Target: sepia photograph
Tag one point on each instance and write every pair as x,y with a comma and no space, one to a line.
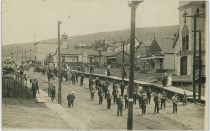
104,65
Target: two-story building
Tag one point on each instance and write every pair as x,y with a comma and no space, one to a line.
184,44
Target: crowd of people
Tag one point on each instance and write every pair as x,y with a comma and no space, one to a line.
111,91
116,96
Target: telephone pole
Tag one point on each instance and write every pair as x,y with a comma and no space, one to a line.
195,16
194,60
133,4
59,65
123,66
200,68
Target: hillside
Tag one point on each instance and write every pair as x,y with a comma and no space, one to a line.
145,33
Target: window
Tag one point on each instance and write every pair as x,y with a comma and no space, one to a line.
75,58
63,59
185,38
183,65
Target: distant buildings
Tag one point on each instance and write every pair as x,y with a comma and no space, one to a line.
158,57
170,52
42,50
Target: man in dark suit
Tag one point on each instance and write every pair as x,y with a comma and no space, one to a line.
156,104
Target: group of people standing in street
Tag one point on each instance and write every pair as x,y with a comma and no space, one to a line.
115,95
142,96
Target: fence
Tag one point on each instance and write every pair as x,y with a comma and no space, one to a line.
15,87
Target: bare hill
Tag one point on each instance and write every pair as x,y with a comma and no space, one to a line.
145,33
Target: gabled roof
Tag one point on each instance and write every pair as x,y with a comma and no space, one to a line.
92,52
72,51
161,45
154,48
165,45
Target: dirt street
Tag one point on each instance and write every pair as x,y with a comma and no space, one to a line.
23,113
96,116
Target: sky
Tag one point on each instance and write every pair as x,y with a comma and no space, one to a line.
34,20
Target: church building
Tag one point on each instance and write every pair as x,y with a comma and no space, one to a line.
191,15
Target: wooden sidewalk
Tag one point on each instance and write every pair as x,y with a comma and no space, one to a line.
171,89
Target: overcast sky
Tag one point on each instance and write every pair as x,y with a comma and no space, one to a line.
30,20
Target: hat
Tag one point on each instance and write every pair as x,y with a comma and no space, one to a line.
72,92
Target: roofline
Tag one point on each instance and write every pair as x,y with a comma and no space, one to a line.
186,6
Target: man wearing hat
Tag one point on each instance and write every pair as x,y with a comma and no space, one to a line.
184,98
92,92
163,99
33,88
53,92
119,105
68,99
49,88
149,94
72,98
100,95
126,101
156,101
140,95
114,93
90,82
175,102
109,99
144,104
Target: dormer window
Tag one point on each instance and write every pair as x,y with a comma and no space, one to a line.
185,38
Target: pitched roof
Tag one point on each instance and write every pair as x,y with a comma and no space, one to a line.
161,45
72,51
154,48
92,52
165,45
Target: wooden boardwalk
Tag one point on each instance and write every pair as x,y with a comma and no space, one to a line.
171,89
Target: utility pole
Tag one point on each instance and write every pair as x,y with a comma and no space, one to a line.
133,5
194,60
59,65
123,66
195,16
200,68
